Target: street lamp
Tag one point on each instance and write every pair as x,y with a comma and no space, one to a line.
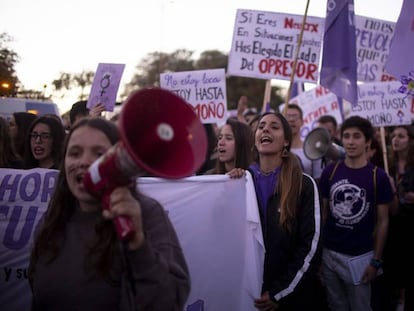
5,85
5,88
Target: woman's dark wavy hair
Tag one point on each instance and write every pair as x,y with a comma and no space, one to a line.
63,204
244,142
289,185
23,121
393,159
7,153
58,134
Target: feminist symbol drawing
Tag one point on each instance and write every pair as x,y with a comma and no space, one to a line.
105,85
105,82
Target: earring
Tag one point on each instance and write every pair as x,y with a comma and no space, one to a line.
285,152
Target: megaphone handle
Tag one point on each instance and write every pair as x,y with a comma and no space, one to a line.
123,224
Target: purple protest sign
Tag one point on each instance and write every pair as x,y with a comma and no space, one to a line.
105,85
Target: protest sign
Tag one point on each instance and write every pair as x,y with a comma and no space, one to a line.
264,46
314,104
373,40
382,104
105,85
204,90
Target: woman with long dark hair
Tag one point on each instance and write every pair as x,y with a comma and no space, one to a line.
398,270
78,262
234,147
290,214
8,157
44,143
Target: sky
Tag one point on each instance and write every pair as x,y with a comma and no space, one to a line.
54,36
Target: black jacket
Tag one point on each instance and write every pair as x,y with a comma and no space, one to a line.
292,259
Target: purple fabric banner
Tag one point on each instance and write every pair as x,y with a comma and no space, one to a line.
339,65
400,59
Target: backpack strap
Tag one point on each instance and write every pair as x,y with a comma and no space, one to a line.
374,171
334,170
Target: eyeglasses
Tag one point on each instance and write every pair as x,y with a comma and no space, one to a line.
42,136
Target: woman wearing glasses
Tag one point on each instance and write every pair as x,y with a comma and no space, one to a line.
44,143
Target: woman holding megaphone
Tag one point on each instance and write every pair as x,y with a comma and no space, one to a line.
79,263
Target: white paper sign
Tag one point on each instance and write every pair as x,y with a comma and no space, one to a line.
373,40
205,90
264,46
314,104
382,104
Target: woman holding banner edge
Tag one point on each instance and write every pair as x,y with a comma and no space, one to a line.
77,261
290,214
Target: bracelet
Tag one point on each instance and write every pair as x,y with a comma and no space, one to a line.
376,263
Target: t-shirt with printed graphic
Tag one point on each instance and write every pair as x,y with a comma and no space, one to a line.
352,195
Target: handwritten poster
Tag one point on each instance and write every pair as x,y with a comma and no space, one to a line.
205,90
105,85
314,104
382,104
264,46
373,40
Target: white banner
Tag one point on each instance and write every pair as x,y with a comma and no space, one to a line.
216,219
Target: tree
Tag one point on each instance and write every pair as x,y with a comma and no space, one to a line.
150,67
33,94
211,59
78,80
9,83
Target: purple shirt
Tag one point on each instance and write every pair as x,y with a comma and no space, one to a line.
265,185
353,195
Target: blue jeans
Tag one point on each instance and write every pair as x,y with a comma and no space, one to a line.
341,293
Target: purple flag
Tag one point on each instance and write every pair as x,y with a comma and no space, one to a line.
339,65
400,60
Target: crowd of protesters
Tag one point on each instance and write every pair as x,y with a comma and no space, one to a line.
320,218
366,210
